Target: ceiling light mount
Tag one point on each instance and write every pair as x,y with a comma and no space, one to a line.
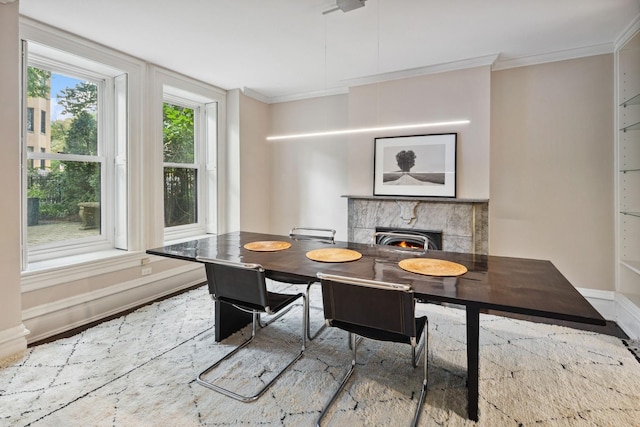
346,6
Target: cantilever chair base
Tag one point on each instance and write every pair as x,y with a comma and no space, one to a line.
200,379
399,325
244,287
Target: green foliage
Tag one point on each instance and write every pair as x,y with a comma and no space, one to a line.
82,136
178,133
35,192
406,160
179,196
82,97
59,130
38,83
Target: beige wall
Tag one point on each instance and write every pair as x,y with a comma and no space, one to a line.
11,330
309,175
454,95
552,167
255,177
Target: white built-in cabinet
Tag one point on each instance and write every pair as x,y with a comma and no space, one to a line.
628,182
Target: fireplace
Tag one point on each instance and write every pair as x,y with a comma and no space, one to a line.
403,239
463,224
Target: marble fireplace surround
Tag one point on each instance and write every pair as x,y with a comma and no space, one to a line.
464,223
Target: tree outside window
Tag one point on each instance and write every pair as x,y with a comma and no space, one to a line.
180,171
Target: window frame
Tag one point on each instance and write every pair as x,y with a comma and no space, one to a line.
105,77
43,122
30,118
207,119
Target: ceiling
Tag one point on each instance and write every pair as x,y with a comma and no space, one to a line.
287,49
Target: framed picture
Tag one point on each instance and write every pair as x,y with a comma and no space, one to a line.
419,165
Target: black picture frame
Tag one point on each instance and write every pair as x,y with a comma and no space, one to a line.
416,165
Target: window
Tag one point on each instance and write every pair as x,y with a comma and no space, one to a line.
189,123
71,203
43,122
180,167
30,119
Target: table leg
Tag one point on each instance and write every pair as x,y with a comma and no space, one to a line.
473,350
229,320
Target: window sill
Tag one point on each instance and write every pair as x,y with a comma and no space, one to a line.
53,272
186,239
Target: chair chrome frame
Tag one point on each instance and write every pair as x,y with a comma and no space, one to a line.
418,347
326,235
255,308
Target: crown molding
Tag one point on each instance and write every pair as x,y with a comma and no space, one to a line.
344,85
293,97
561,55
495,61
628,32
480,61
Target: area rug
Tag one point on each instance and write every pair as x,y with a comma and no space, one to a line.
140,369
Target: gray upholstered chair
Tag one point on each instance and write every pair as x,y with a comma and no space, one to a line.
244,286
376,310
326,235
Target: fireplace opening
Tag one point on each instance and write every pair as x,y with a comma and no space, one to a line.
434,238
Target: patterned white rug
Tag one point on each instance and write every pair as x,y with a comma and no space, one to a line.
139,370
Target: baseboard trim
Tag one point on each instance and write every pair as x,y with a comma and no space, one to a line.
13,342
628,316
48,320
603,301
616,307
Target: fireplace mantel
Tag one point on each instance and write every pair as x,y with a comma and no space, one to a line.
464,222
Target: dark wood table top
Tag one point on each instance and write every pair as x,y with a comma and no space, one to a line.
516,285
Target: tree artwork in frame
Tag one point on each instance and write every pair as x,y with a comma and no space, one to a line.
418,165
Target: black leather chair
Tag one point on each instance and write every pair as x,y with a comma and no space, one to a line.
326,235
244,286
377,310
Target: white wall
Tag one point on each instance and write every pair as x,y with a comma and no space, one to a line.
309,175
12,331
552,167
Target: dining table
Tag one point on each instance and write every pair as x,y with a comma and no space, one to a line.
500,284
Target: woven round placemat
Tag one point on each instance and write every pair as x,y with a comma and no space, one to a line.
267,246
333,255
432,267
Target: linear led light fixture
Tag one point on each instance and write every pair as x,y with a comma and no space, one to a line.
364,130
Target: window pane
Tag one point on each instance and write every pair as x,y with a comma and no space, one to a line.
180,196
63,195
76,101
63,202
30,119
178,133
43,122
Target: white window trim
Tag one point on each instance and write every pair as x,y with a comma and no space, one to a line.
133,236
164,82
46,58
199,141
